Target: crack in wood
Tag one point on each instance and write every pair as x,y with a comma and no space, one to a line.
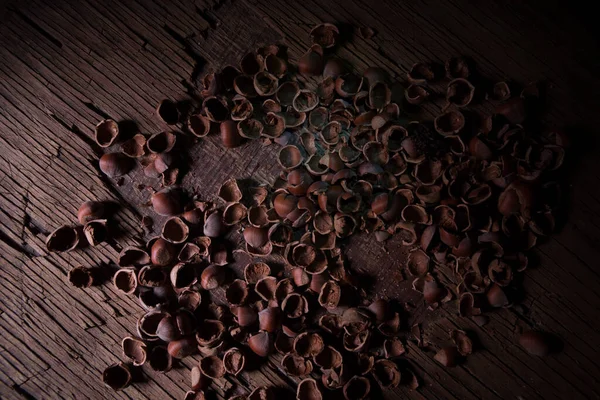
209,17
38,28
74,129
145,40
22,392
97,109
22,248
200,62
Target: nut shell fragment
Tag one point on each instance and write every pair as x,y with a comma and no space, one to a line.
107,131
234,361
65,238
535,342
80,277
325,35
117,376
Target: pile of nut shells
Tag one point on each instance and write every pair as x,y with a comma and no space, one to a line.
472,194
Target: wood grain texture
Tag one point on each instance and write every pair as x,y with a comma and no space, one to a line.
64,65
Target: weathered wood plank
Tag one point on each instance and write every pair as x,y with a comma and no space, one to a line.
76,63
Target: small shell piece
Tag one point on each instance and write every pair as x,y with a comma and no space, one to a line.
80,277
106,132
134,147
168,112
325,35
460,92
65,238
199,125
308,390
117,376
234,361
535,342
135,350
125,280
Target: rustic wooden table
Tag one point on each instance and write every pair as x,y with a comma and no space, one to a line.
64,65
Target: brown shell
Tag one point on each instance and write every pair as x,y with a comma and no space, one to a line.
265,287
273,125
280,234
168,111
195,395
152,276
536,343
305,101
175,230
386,373
106,132
416,94
251,63
416,214
216,108
417,263
334,67
393,348
286,93
250,128
284,344
65,238
348,85
114,165
213,367
234,361
296,366
210,333
429,171
294,305
246,315
311,63
380,95
199,125
255,272
80,277
183,275
357,388
234,213
450,123
500,91
117,376
269,319
318,118
421,72
167,202
265,83
308,344
275,65
134,349
457,67
460,92
189,299
261,344
330,295
462,341
325,35
237,292
161,142
356,342
308,390
125,280
134,147
447,356
290,157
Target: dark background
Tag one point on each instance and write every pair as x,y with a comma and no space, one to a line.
65,65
